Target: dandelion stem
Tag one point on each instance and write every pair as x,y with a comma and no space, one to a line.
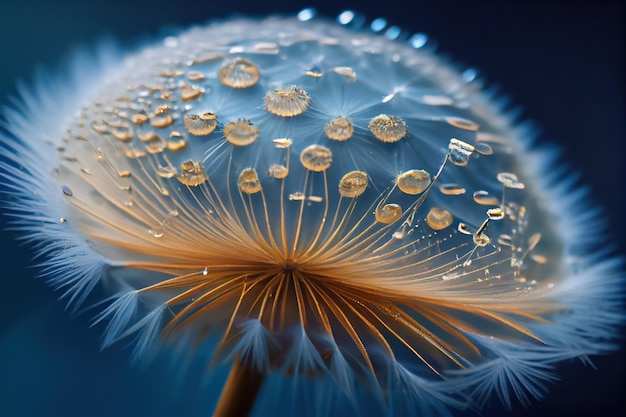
240,391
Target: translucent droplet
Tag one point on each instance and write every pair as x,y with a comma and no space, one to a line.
99,126
278,171
154,143
347,72
297,196
189,93
495,213
346,17
485,199
388,213
192,173
287,102
438,219
465,229
157,231
241,133
314,72
418,40
505,240
316,158
282,143
378,24
483,148
66,190
249,182
353,184
239,73
306,14
123,133
481,239
509,180
388,128
161,118
134,153
139,118
340,129
451,189
200,125
413,182
462,123
176,142
459,152
195,76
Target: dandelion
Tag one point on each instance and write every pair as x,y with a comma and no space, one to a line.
333,213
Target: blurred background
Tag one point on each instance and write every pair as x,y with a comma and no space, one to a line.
561,61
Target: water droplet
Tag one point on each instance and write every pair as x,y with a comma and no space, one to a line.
462,123
438,219
278,171
388,128
200,125
316,158
239,73
157,232
505,240
139,118
533,241
459,152
282,143
123,133
481,239
346,17
241,133
485,199
413,182
451,189
314,72
495,213
483,148
188,92
353,184
249,182
99,126
347,72
134,153
63,220
306,14
195,76
192,173
154,143
418,40
378,24
388,213
161,118
465,229
339,129
176,142
509,180
287,102
297,196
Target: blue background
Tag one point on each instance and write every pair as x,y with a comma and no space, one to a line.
561,60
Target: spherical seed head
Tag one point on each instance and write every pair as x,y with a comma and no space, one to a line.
345,261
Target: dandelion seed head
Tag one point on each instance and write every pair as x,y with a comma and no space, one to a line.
324,202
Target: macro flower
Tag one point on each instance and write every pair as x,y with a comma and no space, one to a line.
334,213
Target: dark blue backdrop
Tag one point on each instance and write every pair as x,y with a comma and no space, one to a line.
561,60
